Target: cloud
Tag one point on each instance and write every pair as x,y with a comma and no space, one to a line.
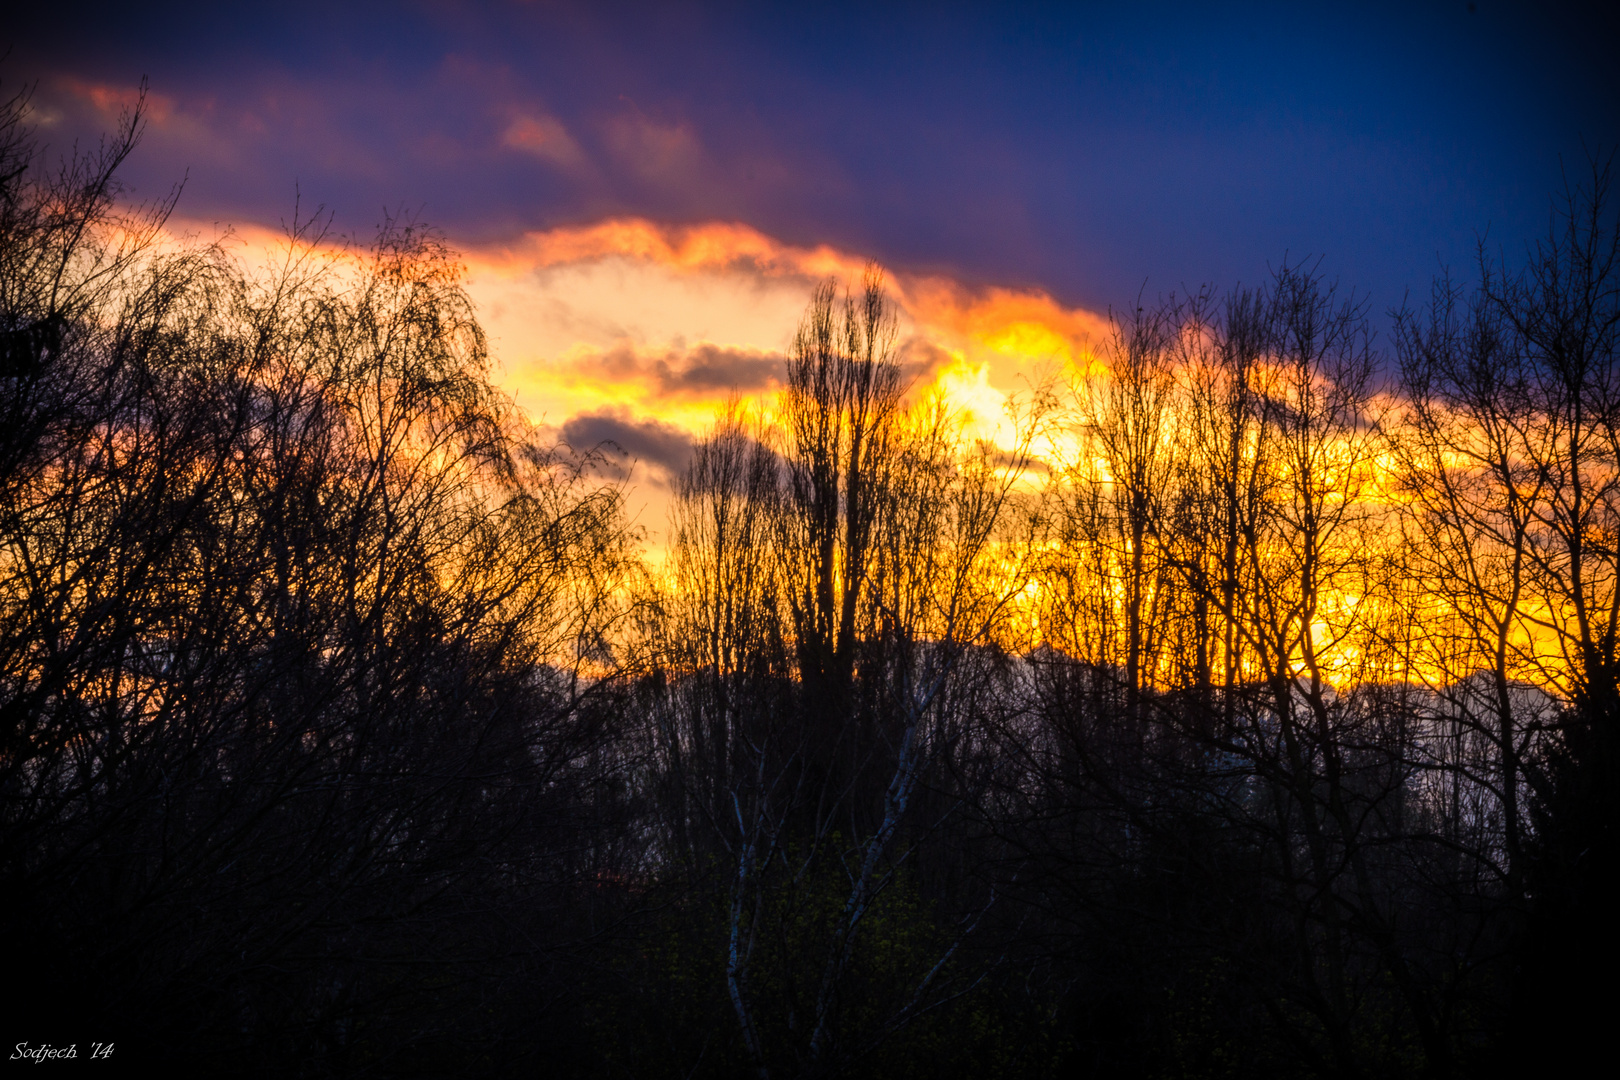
543,137
662,155
110,101
651,442
634,333
995,323
713,245
671,320
708,368
704,370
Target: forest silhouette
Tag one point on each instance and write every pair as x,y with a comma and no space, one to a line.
1251,712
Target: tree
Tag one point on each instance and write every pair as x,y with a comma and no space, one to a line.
308,650
829,599
1516,462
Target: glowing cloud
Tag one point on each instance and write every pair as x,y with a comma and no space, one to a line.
667,321
633,334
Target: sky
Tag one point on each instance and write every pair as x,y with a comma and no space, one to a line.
645,194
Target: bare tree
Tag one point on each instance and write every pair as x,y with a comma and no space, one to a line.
885,562
307,649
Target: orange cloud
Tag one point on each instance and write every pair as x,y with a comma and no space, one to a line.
671,320
633,314
635,333
710,246
1019,326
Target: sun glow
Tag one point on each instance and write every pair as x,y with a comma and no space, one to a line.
604,306
639,334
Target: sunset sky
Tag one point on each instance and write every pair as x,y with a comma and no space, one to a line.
645,194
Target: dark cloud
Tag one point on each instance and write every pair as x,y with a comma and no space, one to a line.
708,368
662,448
704,370
1053,146
1004,460
919,358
